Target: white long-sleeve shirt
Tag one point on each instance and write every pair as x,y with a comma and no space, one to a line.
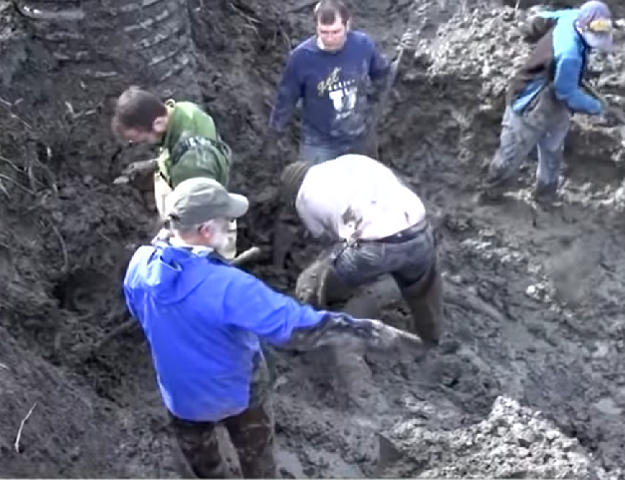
356,194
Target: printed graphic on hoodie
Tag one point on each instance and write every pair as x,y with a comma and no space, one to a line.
342,93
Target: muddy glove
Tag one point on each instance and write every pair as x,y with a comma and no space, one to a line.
351,334
310,285
136,169
389,338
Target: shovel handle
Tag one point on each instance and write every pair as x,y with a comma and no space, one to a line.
246,256
410,337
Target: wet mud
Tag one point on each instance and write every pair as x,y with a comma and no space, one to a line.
530,379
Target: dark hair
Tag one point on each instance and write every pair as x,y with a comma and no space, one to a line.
327,11
137,108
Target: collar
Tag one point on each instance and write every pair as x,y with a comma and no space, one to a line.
166,139
199,250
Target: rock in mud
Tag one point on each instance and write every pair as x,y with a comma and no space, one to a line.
512,442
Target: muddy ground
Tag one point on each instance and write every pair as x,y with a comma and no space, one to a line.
537,386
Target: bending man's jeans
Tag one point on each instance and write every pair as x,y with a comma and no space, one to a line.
410,258
544,125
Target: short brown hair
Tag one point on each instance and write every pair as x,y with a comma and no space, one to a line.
327,11
137,108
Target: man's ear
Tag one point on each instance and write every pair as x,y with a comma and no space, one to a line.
159,125
348,25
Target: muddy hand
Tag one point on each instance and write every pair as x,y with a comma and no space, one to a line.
391,338
310,282
135,169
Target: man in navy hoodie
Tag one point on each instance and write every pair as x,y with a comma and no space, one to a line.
336,74
203,318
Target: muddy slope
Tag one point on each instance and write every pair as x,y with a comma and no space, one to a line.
537,386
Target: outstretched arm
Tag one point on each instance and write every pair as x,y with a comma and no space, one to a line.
287,324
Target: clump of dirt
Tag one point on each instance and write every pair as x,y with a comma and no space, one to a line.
530,379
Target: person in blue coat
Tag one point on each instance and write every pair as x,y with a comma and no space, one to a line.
545,92
337,74
203,319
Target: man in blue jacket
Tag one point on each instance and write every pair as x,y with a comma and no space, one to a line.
335,73
545,92
203,319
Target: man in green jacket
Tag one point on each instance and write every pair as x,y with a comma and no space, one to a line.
187,141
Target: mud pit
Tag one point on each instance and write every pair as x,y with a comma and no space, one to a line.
531,379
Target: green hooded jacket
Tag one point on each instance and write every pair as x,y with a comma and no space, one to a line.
191,147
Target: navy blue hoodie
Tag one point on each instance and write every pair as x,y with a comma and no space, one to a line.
333,87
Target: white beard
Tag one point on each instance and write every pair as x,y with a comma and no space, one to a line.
219,239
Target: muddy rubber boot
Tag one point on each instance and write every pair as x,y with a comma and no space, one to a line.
545,194
332,288
491,192
495,185
425,300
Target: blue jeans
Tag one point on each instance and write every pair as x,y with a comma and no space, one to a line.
319,153
543,126
413,266
406,262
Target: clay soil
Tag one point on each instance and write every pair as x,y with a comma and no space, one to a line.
530,381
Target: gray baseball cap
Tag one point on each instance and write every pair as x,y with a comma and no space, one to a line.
199,200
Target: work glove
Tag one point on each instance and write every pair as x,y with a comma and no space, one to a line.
388,338
377,336
310,285
136,169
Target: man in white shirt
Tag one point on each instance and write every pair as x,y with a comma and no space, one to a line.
378,226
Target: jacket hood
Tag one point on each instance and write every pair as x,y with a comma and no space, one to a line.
168,273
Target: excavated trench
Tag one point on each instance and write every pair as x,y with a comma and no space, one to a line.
530,381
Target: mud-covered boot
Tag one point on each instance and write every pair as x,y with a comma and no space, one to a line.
545,194
492,192
425,300
496,183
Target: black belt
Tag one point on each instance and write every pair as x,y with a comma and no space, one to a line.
405,235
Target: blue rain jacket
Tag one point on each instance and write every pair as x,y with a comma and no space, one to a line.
569,54
202,318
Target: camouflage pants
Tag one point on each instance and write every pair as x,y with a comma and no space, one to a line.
543,125
251,433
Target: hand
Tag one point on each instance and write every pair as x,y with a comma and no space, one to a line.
310,282
386,337
144,167
276,139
